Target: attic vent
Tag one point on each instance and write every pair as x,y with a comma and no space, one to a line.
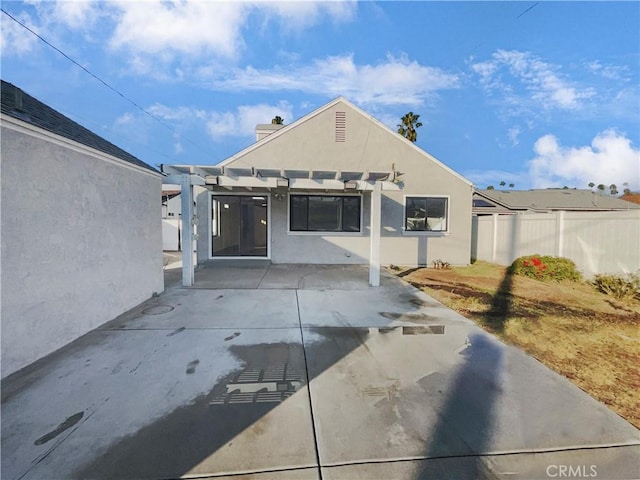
341,126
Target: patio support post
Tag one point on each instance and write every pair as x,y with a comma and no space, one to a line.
186,192
374,255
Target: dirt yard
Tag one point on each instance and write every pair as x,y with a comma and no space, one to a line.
590,338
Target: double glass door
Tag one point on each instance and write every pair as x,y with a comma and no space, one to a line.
239,225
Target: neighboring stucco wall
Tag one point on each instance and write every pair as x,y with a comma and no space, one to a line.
173,208
368,147
81,242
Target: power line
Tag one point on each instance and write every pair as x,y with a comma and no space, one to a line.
113,89
530,8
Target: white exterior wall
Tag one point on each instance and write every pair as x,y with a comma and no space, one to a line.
173,208
81,241
306,247
171,234
369,146
598,242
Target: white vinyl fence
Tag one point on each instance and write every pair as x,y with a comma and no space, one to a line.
598,242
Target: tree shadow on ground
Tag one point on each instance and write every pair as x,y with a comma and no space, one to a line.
466,417
501,304
504,304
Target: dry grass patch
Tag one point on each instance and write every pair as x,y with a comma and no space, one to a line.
589,337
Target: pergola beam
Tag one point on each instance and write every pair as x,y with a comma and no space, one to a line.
374,182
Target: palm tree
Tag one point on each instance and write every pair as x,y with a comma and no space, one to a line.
613,189
277,120
601,187
408,126
591,184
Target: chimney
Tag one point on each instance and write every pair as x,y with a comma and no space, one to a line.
265,129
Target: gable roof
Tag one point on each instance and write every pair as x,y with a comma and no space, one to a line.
545,200
320,110
19,105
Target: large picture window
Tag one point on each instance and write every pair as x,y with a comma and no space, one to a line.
426,214
324,213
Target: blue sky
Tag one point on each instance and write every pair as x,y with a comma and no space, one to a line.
539,94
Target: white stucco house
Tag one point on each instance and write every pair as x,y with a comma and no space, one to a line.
81,237
334,187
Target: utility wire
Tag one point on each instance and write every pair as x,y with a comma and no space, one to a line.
113,89
530,8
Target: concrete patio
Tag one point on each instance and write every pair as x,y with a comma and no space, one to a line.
301,372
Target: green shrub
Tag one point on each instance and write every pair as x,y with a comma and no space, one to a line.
623,287
545,268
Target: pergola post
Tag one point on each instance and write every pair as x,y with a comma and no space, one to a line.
376,216
186,193
248,178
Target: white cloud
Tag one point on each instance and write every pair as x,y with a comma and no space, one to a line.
239,123
180,27
177,113
514,134
185,27
124,119
391,120
396,81
611,158
543,85
221,125
243,121
76,14
14,39
611,72
297,15
177,144
163,31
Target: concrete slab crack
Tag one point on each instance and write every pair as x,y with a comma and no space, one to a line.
306,371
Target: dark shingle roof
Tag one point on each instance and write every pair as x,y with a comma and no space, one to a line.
551,199
22,106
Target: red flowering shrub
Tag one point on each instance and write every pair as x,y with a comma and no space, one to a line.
545,268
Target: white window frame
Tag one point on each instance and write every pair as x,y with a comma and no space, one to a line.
328,233
428,233
210,255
